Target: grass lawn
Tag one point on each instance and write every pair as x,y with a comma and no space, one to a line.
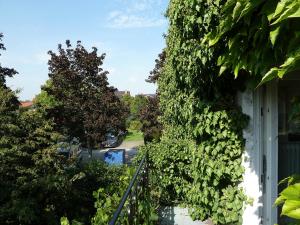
134,135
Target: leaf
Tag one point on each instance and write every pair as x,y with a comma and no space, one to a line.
280,200
292,192
280,7
237,9
292,11
291,208
249,7
274,34
64,221
292,63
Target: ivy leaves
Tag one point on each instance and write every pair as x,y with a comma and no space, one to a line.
198,161
262,38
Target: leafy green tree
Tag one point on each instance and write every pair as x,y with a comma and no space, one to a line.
149,114
38,186
89,107
8,105
139,101
158,68
135,105
29,166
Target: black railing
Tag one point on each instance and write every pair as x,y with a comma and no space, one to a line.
128,211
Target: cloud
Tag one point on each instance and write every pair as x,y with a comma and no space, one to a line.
136,14
122,20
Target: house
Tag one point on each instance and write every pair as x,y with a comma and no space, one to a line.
272,145
122,93
148,95
26,104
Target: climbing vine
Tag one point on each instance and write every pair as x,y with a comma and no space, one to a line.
262,37
198,162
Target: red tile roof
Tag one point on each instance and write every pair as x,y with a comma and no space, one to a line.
26,104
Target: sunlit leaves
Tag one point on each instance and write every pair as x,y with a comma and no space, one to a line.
263,51
290,199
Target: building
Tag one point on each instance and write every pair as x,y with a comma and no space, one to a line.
122,93
272,145
26,104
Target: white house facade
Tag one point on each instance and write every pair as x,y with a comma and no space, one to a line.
272,150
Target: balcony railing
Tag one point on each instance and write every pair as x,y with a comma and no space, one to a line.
128,211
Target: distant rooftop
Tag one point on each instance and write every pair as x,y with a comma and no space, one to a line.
25,104
122,93
148,95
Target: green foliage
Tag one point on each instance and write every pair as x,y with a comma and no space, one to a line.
108,198
38,186
289,198
135,125
134,135
260,37
84,105
206,39
149,116
135,105
198,161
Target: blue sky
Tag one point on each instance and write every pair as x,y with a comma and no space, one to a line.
128,31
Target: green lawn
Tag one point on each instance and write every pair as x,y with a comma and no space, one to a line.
134,135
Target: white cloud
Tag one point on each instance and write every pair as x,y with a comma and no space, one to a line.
123,20
137,14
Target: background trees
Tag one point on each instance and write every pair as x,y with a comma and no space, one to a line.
149,114
134,105
38,186
89,107
28,162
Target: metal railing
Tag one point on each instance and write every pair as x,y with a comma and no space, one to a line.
137,191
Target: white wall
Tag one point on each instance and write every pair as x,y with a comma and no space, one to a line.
250,103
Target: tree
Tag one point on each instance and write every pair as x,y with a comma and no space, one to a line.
158,68
138,102
38,186
25,158
8,105
150,113
89,107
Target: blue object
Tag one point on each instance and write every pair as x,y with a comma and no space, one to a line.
115,157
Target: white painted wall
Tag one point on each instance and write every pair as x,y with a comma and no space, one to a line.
250,102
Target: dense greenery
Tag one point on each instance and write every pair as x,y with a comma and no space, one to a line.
89,107
134,104
199,158
150,113
39,186
150,125
260,37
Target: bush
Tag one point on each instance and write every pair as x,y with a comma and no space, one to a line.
135,125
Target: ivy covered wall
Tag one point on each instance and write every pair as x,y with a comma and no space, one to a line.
198,162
